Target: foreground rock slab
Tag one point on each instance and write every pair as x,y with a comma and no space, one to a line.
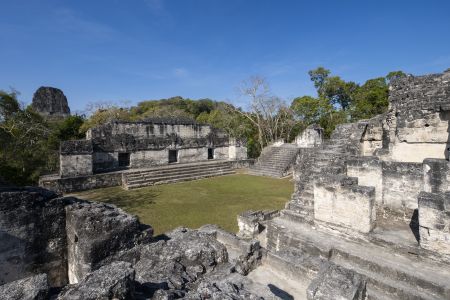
30,288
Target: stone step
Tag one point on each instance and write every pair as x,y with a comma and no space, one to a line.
176,172
179,167
186,178
155,178
265,173
403,275
296,217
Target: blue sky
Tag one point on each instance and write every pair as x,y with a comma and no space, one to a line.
129,51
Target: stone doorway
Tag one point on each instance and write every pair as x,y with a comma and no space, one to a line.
210,153
173,156
124,159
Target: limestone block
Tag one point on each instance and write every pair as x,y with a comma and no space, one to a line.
369,173
436,175
417,152
32,235
340,203
30,288
113,281
402,183
335,282
94,232
434,222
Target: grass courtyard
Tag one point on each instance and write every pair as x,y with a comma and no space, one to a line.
192,204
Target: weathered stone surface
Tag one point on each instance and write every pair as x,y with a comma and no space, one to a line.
221,290
96,231
418,119
312,136
32,235
335,282
50,101
113,281
436,175
340,202
434,222
251,223
30,288
80,183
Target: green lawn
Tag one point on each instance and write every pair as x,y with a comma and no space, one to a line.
192,204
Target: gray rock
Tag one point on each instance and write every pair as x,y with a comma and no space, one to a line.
30,288
96,231
336,282
49,101
113,281
32,235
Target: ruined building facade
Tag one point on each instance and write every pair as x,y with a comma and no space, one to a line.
143,144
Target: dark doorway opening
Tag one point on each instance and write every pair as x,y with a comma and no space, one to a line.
210,153
124,159
173,156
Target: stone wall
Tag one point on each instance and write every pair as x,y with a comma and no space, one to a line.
368,170
192,155
397,184
402,183
104,161
342,204
80,183
418,119
145,159
149,129
75,158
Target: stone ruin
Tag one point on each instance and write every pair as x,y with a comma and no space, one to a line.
50,102
369,219
111,152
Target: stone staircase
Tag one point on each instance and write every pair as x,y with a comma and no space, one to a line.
390,274
327,160
134,179
275,161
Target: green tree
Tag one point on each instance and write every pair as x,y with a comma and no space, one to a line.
371,99
319,76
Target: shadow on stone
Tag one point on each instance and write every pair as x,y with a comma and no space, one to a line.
414,225
280,293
